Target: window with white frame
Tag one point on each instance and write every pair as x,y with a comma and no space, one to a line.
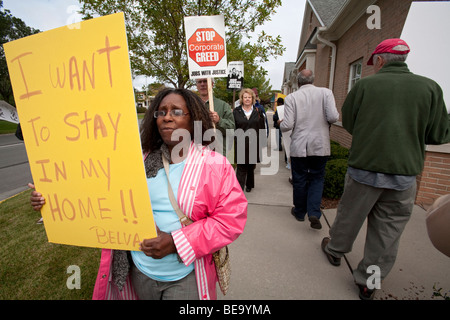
355,73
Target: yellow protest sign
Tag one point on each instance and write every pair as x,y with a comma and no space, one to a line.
75,100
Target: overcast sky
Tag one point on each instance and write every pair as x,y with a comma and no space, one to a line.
49,14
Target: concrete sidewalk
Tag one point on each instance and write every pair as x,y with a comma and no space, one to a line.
280,258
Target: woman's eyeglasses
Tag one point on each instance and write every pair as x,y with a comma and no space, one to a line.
173,113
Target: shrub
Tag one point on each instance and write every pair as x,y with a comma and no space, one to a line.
335,171
141,109
338,151
334,178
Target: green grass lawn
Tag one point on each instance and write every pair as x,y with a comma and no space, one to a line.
31,268
7,127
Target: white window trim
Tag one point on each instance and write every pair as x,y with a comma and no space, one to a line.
352,73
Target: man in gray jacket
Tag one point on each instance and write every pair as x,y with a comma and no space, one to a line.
308,112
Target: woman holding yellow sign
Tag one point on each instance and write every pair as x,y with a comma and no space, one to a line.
178,263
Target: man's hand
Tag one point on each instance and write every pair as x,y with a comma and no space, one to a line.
214,117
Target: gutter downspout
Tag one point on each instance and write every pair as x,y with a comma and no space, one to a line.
333,54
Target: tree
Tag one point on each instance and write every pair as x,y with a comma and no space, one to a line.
11,28
153,88
156,35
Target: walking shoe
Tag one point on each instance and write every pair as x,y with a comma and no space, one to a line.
333,260
315,223
293,213
365,293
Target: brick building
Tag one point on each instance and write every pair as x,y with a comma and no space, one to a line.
336,40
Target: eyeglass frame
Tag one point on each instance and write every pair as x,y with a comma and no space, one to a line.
163,113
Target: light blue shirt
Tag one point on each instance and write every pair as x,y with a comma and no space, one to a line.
167,268
382,180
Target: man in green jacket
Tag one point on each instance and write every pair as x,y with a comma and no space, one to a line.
222,116
391,116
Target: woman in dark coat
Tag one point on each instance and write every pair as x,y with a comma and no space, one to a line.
250,136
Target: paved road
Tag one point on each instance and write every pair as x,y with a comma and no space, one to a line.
14,167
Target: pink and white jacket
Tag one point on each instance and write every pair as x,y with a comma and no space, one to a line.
210,195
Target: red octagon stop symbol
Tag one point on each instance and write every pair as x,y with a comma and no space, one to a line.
206,47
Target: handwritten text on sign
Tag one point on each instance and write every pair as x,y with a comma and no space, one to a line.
75,101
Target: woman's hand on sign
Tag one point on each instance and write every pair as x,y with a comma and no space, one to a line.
37,200
158,247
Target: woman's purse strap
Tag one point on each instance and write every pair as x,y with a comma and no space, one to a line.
183,218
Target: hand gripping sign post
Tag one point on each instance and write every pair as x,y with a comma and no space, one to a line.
75,101
207,54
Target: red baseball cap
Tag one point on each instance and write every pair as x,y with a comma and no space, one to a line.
396,46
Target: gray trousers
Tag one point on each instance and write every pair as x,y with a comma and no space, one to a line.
387,212
148,289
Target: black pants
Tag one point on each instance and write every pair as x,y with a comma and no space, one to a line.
245,175
308,175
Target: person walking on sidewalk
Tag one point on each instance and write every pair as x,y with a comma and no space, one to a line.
261,109
391,116
248,141
308,112
276,124
286,137
222,116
